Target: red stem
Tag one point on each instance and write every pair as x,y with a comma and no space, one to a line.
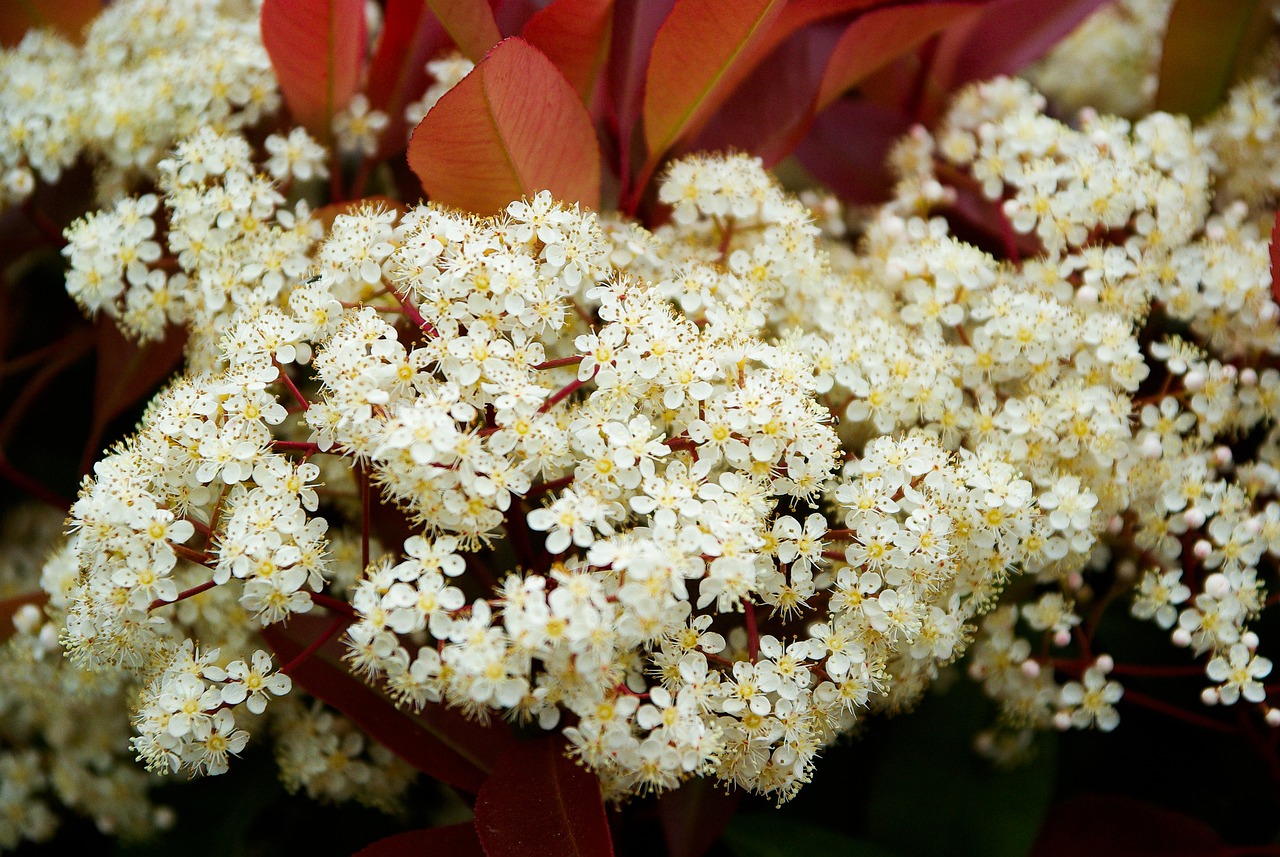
183,595
338,623
336,605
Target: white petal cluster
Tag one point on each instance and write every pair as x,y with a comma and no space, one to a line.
149,73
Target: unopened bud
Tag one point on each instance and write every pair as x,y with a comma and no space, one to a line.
1031,669
1105,663
1217,586
1209,696
1180,638
1202,549
1062,638
1194,517
1062,721
1273,717
1250,640
1194,380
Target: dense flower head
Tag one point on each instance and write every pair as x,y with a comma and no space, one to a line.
703,496
149,73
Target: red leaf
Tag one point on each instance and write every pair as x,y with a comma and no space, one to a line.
694,815
703,50
1275,259
127,373
574,35
1112,826
771,110
847,146
538,803
438,741
880,36
68,17
470,25
635,25
456,840
1205,44
801,13
511,128
1005,38
317,49
411,36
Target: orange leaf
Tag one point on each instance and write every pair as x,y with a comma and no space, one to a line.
67,17
538,803
511,128
469,23
411,36
317,49
1204,45
702,51
801,13
880,36
438,741
574,34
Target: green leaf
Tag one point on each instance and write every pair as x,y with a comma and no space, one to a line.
934,797
777,835
1206,46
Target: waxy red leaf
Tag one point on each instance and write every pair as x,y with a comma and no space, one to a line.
771,110
694,815
511,128
67,17
411,35
127,373
882,35
538,803
574,35
317,49
1205,45
1006,37
456,840
1114,826
701,53
1275,259
635,26
438,741
469,23
854,170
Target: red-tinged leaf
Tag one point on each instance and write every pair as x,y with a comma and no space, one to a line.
771,110
1005,38
635,26
469,23
127,373
511,128
1205,45
538,803
847,146
513,15
798,14
694,815
882,35
702,51
456,840
67,17
438,741
1113,826
317,49
1275,259
410,37
574,35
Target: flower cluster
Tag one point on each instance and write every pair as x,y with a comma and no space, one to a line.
149,73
